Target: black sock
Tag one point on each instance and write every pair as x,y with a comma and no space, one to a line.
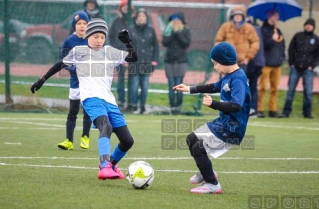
206,168
86,127
86,124
70,126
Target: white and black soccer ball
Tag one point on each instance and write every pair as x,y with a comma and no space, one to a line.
140,174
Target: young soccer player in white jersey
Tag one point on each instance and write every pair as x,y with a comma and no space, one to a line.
218,136
94,66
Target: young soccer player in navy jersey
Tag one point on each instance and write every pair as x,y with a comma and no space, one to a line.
79,23
94,65
218,136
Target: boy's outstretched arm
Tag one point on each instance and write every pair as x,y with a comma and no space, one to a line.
208,88
124,37
53,70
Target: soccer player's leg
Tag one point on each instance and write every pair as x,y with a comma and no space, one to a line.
126,142
70,125
85,140
96,109
123,134
191,140
210,185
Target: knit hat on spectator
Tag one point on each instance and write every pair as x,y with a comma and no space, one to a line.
96,25
310,21
224,53
79,16
125,2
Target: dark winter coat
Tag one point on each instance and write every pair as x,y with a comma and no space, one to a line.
118,24
177,44
259,59
145,42
304,50
274,51
95,13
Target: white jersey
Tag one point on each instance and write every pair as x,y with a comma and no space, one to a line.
95,70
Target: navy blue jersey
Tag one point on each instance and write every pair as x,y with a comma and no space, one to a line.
231,126
69,43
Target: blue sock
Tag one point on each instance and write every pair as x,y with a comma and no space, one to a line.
104,147
117,155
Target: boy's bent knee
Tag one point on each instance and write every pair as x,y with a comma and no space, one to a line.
126,144
191,139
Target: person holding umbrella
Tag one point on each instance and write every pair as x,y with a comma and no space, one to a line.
274,49
270,12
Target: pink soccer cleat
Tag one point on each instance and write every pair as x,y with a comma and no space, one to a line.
207,188
107,172
119,172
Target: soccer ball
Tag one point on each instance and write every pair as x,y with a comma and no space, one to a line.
140,174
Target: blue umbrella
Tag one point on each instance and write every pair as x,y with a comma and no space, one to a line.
287,9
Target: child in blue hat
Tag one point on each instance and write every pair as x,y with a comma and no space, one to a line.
217,137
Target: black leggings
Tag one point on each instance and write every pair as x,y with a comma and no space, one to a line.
195,146
122,133
202,161
71,120
74,110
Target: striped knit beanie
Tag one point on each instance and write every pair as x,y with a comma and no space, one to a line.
96,25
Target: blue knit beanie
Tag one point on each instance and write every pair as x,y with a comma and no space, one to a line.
79,16
224,53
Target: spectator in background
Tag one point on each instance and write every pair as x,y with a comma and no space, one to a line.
303,58
254,70
91,8
177,38
241,35
121,22
145,41
274,48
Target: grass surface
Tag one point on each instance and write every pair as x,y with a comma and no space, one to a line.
34,173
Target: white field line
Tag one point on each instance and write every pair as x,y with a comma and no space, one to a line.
283,126
167,170
55,119
44,129
159,158
31,123
12,143
256,124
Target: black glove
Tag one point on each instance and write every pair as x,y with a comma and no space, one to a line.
37,85
124,36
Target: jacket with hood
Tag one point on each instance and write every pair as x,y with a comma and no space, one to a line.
243,37
91,14
176,42
304,49
118,24
144,40
274,50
